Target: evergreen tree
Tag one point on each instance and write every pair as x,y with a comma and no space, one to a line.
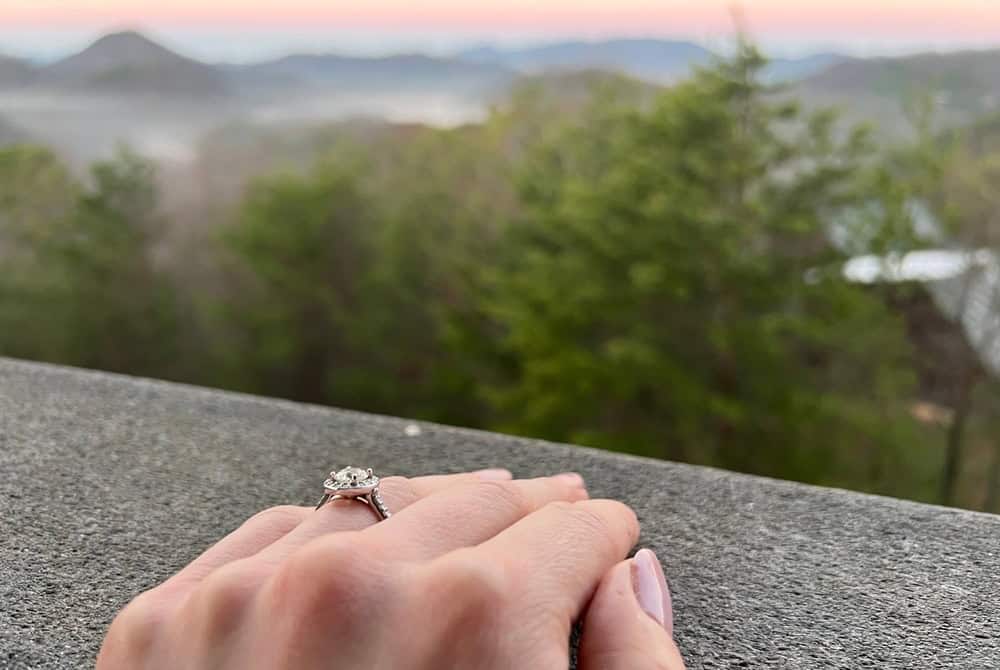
672,290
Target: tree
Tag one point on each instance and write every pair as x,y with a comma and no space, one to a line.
118,310
671,290
303,245
81,285
37,200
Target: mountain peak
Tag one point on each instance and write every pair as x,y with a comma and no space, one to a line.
130,62
128,47
130,40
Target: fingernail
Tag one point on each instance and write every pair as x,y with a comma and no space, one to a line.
494,474
651,589
571,478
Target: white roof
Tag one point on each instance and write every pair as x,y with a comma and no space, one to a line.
918,266
965,285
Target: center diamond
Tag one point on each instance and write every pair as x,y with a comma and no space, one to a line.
350,475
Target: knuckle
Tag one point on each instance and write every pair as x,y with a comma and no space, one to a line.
475,593
282,518
135,629
330,578
507,495
611,523
560,507
400,491
592,522
621,515
221,601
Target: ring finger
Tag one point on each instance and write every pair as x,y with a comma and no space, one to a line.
464,516
345,515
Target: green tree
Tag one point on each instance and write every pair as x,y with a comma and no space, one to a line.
37,200
81,286
671,290
303,246
118,309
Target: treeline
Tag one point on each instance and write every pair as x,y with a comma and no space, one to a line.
646,273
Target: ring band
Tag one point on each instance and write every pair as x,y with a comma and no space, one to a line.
353,483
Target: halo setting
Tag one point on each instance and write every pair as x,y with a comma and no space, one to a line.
350,482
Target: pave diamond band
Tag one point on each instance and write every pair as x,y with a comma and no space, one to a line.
353,483
380,505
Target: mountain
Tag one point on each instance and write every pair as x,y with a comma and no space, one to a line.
795,69
962,85
405,72
14,72
654,60
658,61
130,63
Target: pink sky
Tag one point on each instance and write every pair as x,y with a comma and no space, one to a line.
248,29
973,19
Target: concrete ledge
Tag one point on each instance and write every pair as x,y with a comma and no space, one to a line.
110,484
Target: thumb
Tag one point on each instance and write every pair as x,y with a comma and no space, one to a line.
629,624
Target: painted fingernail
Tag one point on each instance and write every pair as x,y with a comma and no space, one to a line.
494,474
651,589
571,478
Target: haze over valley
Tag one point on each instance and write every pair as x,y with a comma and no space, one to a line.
126,88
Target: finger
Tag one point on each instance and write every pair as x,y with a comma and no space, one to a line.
629,622
344,515
256,533
468,515
558,555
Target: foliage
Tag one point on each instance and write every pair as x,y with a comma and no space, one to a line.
37,199
89,292
647,270
304,243
656,299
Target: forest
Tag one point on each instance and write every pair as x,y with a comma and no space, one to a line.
651,271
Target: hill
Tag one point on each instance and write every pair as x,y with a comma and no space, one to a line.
14,72
963,85
130,63
654,60
657,61
796,69
405,72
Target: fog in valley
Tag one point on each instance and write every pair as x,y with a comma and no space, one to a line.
126,90
87,127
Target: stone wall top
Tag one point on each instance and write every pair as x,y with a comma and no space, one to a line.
109,484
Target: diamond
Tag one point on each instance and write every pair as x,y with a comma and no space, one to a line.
351,481
349,475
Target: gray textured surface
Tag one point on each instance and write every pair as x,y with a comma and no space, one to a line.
765,574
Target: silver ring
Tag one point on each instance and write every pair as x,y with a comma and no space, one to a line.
353,483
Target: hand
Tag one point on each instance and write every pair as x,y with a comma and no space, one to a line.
472,571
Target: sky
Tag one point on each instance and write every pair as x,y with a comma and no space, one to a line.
244,29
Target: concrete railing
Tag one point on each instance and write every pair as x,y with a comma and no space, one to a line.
110,484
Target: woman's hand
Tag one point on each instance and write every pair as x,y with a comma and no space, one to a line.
472,571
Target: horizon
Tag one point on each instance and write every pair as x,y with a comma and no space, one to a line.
214,45
230,30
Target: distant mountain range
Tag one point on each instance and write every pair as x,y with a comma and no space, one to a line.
131,63
404,71
964,84
966,81
655,60
658,61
